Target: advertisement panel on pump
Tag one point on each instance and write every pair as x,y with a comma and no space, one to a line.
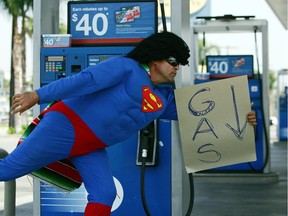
110,22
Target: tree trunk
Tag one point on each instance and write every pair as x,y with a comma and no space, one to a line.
16,72
17,64
23,39
12,84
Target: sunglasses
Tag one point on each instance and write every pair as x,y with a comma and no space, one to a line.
172,61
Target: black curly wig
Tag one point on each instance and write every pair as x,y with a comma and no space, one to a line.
161,46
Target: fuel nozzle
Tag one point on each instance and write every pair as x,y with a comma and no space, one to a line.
144,143
147,146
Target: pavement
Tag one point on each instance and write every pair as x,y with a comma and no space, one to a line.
24,185
212,197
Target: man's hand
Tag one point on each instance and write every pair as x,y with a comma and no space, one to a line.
251,118
24,101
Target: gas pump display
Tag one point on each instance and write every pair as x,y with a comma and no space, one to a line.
54,67
61,62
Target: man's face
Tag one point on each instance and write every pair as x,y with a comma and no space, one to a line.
164,72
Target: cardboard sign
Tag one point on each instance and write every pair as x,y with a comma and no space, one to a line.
212,122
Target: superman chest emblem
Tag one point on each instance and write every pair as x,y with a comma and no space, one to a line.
150,101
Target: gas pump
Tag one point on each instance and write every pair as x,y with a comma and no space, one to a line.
220,67
99,30
282,96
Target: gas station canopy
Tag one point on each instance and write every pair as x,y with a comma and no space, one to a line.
280,8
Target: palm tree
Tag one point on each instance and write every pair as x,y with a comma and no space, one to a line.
210,49
17,9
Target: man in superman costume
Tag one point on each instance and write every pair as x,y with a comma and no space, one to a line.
100,106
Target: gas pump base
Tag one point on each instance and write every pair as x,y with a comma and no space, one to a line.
249,178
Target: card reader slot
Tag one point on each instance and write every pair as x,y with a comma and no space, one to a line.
76,68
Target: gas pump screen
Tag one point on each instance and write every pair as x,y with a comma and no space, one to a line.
229,66
96,59
112,21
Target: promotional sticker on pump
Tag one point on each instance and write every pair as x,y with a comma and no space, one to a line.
223,66
127,14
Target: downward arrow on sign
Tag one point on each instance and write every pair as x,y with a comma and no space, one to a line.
239,133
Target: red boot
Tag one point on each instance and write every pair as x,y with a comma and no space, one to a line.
97,209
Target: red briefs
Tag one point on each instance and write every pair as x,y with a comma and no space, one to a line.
85,140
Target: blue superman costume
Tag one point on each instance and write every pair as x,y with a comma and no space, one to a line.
99,107
111,101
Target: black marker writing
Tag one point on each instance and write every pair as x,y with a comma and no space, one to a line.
239,133
204,126
206,130
208,150
211,104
